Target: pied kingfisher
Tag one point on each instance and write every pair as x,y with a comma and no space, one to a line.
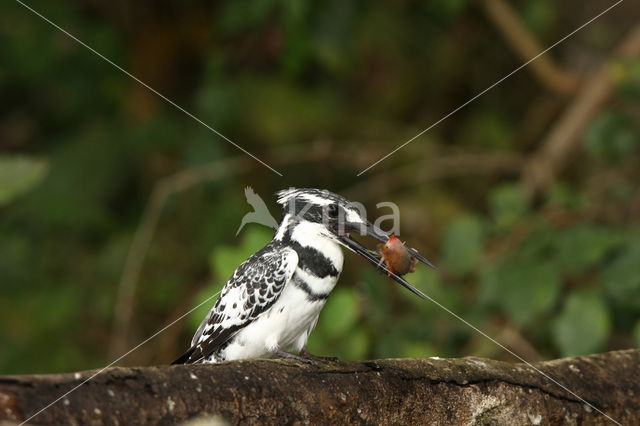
274,298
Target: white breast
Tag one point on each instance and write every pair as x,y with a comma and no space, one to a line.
286,325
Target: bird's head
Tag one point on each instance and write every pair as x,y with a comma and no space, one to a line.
327,215
322,212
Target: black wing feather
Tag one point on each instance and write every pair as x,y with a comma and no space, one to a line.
254,287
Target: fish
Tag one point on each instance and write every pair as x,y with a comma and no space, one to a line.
397,256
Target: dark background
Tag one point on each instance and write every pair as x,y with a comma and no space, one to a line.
319,91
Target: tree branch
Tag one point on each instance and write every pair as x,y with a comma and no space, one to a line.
525,44
556,149
391,391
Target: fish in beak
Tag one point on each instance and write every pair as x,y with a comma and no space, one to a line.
379,261
397,257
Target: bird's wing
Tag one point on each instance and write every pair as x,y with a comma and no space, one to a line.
254,287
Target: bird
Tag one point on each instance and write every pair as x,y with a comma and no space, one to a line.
260,214
273,300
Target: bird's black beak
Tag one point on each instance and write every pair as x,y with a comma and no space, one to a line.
372,231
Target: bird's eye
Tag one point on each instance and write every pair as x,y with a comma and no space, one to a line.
332,210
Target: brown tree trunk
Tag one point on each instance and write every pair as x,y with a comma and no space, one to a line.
389,391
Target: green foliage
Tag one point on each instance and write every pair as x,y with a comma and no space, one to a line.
524,287
585,246
340,81
225,259
621,277
90,164
338,322
462,244
612,136
445,9
627,73
268,105
340,313
563,196
508,206
540,16
488,129
18,174
583,325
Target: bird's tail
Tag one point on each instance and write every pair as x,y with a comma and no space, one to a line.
184,358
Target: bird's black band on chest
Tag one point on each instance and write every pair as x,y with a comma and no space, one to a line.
314,261
311,295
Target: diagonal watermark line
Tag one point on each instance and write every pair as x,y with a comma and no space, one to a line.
493,85
119,358
149,87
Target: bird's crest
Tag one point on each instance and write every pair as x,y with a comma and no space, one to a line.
320,197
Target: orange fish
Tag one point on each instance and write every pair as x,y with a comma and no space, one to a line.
397,257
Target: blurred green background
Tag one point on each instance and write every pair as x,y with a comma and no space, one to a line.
319,91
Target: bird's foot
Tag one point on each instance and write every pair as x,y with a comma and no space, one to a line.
306,354
283,354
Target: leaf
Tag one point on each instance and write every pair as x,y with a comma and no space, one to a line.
508,205
225,259
612,137
627,73
565,196
256,237
524,288
526,283
18,174
584,246
462,244
583,325
340,313
622,278
377,295
427,281
540,16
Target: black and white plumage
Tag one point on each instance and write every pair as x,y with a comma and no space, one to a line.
273,300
